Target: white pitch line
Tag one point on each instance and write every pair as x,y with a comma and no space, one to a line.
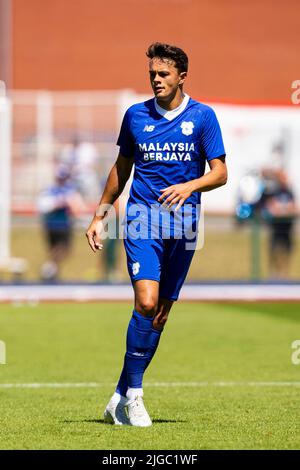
149,384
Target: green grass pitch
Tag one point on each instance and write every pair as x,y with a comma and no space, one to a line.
247,347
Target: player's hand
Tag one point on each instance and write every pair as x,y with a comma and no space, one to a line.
175,194
93,234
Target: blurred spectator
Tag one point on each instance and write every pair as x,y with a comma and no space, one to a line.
81,158
279,211
57,205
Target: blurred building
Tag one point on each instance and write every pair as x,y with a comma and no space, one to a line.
94,45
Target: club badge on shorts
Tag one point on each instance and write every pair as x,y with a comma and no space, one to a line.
135,268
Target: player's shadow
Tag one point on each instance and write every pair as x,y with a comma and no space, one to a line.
101,421
70,421
168,421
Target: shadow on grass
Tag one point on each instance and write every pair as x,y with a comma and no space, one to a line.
101,421
279,310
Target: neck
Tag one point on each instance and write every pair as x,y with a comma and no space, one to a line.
173,102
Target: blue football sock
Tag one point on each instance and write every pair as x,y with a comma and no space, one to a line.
137,348
152,341
122,384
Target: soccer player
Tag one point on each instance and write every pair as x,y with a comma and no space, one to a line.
168,138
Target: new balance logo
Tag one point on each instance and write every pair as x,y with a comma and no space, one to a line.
138,354
148,128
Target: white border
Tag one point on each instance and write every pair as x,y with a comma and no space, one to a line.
33,294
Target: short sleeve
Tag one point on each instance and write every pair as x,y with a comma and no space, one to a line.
211,136
125,139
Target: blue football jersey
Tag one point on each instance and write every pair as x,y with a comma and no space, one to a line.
169,147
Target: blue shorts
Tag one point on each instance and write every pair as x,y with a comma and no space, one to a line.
164,260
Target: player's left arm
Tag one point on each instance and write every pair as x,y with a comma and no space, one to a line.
179,193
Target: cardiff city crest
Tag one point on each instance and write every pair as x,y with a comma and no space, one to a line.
187,127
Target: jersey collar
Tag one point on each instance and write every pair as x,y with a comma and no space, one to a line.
169,115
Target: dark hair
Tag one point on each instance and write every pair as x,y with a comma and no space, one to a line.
165,51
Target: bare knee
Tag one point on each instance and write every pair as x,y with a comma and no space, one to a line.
147,306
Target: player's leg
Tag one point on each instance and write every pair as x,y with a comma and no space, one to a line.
149,340
141,342
173,275
159,321
144,261
146,302
139,346
156,310
49,269
179,255
139,334
281,250
59,243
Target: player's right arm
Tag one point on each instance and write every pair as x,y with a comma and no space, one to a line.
116,181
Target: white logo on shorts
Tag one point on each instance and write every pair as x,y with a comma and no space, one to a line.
135,268
187,127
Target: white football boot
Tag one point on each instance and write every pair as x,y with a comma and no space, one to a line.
137,413
115,411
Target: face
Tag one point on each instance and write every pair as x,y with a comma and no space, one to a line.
165,78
